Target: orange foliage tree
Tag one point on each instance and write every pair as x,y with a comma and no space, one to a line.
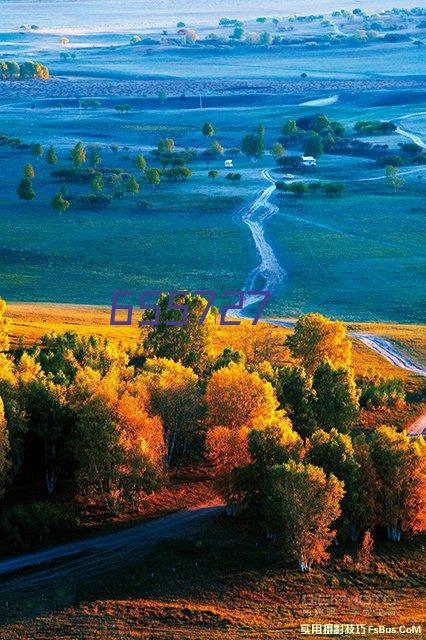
237,398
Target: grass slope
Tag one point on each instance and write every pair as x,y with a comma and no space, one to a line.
223,582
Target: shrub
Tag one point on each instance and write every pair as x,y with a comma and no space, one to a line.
93,201
72,174
26,525
333,188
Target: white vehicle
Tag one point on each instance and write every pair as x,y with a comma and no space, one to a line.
288,176
229,164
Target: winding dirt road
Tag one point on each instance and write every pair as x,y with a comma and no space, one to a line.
93,555
273,274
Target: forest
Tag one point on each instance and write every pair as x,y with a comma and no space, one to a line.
84,421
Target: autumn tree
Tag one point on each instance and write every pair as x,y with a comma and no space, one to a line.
237,398
51,156
337,403
14,410
29,171
4,449
175,396
298,398
315,338
400,464
4,327
78,154
25,190
187,339
118,444
365,552
303,504
227,449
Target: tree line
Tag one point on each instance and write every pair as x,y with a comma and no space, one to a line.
28,70
87,420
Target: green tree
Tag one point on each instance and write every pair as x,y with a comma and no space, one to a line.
277,150
289,128
266,39
132,185
188,344
140,162
334,452
337,403
297,397
97,183
153,177
25,190
238,33
298,189
51,156
162,96
37,150
207,130
216,149
60,203
233,177
29,171
333,189
313,145
315,338
302,506
78,154
166,145
213,174
253,144
95,156
392,177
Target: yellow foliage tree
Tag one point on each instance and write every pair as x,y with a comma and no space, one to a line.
316,338
4,327
4,449
237,398
176,398
400,463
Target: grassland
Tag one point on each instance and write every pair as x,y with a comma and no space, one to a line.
214,584
30,321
